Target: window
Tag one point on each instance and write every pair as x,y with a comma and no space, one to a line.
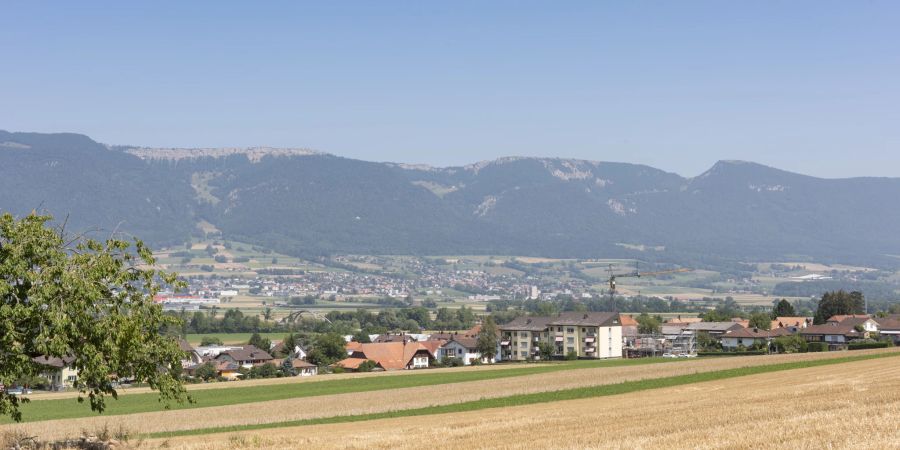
570,340
523,334
523,354
559,329
571,349
582,330
570,330
523,345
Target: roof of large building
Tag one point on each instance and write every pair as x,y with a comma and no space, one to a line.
888,324
527,324
589,319
684,320
833,328
53,361
714,326
248,353
786,321
754,333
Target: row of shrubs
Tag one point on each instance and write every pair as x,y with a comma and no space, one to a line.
869,344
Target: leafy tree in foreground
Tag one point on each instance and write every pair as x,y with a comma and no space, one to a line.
89,300
486,342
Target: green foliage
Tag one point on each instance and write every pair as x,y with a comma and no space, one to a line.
486,343
328,348
648,324
545,350
210,340
839,303
864,345
367,366
761,320
267,370
705,342
790,344
817,347
361,337
62,296
260,342
783,308
206,371
287,367
572,355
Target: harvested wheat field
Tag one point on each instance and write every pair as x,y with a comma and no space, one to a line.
405,398
840,406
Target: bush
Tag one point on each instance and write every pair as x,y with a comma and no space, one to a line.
206,341
367,366
868,345
450,362
571,356
817,347
790,344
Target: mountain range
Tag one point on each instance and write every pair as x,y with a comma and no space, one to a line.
309,203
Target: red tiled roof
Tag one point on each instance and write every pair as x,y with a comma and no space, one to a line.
393,355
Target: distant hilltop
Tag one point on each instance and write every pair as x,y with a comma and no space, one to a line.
308,203
254,154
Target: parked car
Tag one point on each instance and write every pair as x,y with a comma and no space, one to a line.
19,391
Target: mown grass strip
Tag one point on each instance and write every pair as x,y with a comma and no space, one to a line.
139,403
529,399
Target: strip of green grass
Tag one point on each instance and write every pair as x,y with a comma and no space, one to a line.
529,399
232,338
41,410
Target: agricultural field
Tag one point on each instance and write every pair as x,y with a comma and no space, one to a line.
849,405
266,407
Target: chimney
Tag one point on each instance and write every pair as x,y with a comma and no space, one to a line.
585,316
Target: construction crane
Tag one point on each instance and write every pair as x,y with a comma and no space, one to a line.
636,274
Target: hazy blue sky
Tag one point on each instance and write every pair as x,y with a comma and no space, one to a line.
809,86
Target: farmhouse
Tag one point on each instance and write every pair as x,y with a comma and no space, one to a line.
190,357
745,337
61,372
391,355
890,328
246,356
836,335
301,367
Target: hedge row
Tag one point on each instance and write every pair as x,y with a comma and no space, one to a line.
868,345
